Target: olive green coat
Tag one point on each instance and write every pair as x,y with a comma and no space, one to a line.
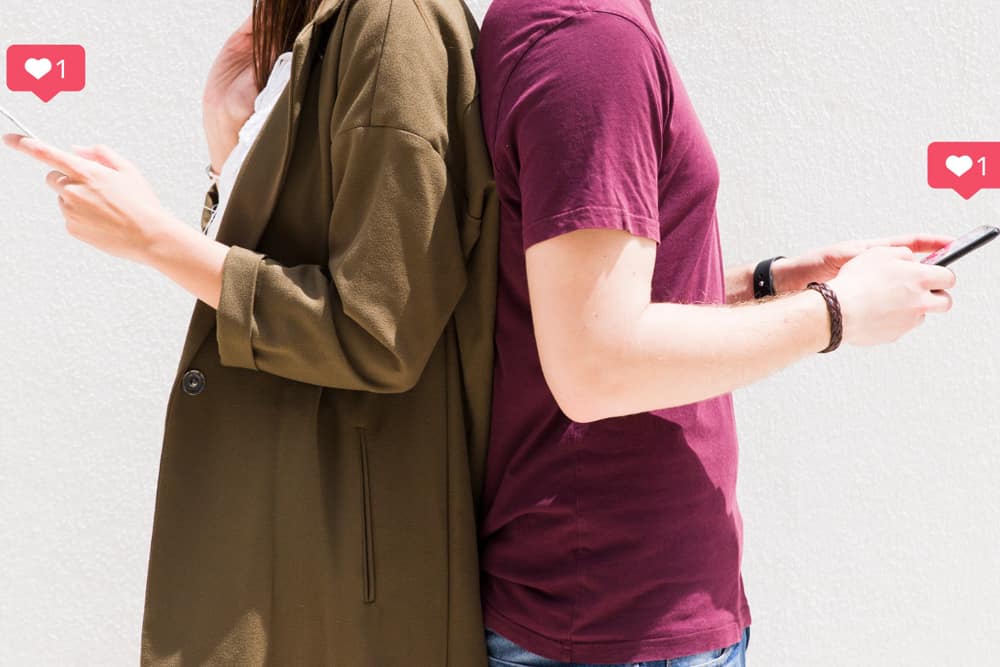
325,435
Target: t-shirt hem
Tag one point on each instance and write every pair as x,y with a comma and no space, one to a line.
641,650
590,217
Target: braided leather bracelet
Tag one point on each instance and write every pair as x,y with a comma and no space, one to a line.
836,318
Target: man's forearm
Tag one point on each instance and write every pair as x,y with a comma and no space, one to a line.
739,283
788,277
675,354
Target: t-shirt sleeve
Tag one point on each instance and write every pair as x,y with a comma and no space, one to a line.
585,122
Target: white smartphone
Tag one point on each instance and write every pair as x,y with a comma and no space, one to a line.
19,124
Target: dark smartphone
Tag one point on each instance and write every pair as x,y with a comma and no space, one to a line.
961,247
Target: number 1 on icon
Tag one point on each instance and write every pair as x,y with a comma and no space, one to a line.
983,161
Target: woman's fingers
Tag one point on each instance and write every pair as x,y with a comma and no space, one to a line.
66,162
71,193
56,180
103,155
246,27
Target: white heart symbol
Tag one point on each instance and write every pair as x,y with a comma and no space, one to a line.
958,165
38,67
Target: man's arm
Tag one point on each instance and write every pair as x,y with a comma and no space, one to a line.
607,351
585,122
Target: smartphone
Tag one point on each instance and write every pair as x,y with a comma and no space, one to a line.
961,247
19,124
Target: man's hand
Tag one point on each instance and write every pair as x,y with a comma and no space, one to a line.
884,293
824,264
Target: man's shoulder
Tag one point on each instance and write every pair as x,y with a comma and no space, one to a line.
512,27
507,15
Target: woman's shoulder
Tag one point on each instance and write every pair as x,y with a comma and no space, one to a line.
408,64
441,23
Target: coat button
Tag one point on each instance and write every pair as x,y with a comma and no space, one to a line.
193,382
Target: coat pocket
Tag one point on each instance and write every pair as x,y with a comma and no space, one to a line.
367,534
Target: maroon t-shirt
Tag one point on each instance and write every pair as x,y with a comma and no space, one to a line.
618,540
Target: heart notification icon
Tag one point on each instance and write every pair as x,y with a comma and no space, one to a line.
46,69
964,166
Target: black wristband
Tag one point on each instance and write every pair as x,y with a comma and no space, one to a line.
763,278
836,318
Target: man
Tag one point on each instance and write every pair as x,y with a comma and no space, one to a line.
610,531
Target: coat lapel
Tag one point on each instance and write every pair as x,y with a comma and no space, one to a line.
259,182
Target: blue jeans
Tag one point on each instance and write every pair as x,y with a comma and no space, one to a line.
505,653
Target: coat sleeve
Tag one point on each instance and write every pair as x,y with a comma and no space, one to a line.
369,318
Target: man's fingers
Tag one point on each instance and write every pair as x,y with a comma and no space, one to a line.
66,162
916,242
936,277
928,242
938,301
902,252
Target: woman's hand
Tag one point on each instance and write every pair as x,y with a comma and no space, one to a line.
108,204
104,199
229,95
824,264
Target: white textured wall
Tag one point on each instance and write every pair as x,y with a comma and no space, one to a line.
867,478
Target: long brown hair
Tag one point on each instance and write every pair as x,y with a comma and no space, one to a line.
276,23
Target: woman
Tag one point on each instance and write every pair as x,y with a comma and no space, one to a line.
325,436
